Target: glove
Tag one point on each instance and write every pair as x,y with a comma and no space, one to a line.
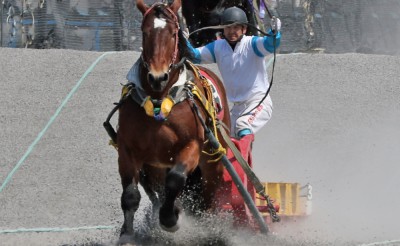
185,33
275,24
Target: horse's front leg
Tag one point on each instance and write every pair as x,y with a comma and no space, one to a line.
130,197
186,162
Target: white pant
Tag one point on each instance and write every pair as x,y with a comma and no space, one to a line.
242,117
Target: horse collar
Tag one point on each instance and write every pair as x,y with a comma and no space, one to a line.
160,108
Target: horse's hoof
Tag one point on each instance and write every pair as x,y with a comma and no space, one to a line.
125,232
168,221
170,225
170,229
126,240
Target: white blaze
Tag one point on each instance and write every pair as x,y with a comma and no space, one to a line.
159,23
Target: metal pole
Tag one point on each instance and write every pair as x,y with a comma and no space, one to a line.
238,182
235,177
245,194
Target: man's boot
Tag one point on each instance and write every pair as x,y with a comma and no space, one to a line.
241,213
245,145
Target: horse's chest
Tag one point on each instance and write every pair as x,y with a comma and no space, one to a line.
161,146
163,137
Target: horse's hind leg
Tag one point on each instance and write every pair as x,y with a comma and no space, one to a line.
174,184
153,196
130,198
144,181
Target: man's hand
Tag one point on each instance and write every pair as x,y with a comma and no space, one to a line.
275,24
185,33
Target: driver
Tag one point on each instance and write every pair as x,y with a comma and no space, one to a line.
241,62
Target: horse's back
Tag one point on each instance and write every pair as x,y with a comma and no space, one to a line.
219,85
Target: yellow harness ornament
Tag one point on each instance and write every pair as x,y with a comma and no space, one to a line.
159,111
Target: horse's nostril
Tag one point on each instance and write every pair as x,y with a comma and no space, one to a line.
165,77
150,77
159,79
158,82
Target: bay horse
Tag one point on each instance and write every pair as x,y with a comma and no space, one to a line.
161,137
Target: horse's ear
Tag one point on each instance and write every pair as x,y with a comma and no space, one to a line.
175,5
142,6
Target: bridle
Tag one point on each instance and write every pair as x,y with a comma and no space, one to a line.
176,22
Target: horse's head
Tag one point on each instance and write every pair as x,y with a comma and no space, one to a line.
160,30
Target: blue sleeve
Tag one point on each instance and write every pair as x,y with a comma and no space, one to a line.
204,54
269,41
196,53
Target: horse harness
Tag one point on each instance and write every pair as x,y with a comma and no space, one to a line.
182,90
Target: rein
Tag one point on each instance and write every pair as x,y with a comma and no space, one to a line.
270,83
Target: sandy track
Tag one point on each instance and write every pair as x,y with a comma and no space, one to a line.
335,125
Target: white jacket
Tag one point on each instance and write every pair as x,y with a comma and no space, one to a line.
243,70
